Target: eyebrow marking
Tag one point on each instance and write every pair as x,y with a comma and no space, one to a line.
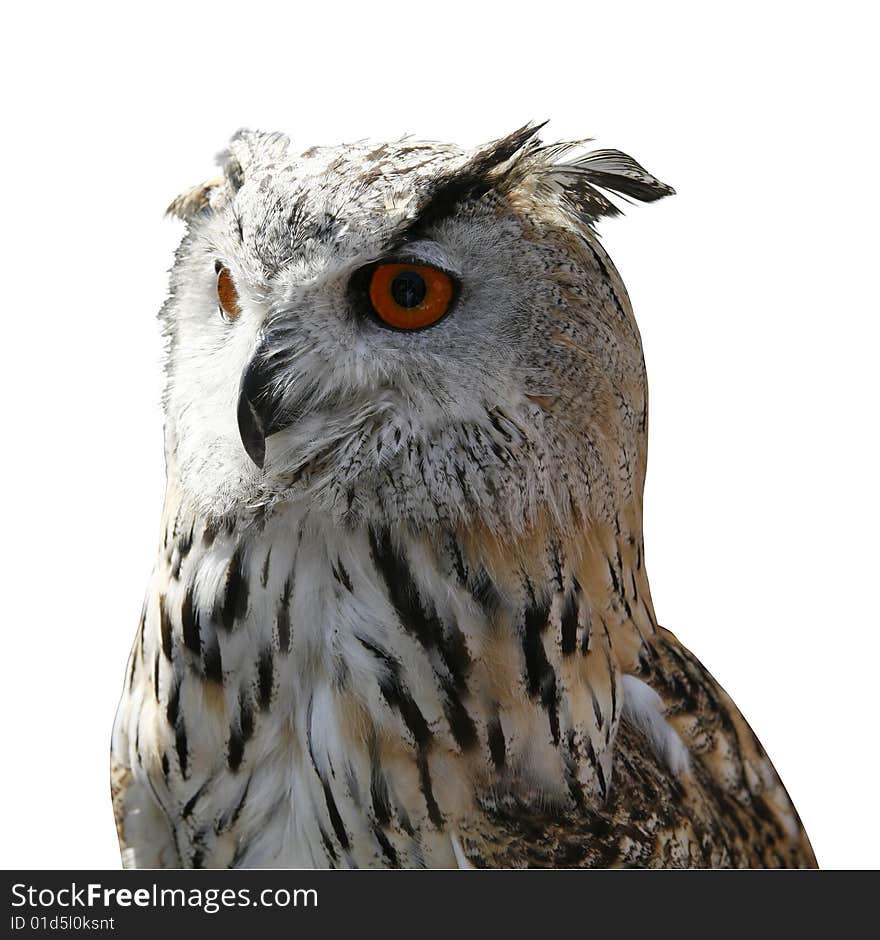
471,181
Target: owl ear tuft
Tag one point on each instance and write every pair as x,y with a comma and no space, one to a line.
520,144
194,201
246,149
580,182
243,151
497,166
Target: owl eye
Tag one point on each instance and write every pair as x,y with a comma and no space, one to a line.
227,295
410,296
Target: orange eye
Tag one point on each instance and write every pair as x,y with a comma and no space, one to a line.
410,296
227,295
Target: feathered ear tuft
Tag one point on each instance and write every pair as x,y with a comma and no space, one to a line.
580,181
497,166
523,141
244,149
194,201
247,148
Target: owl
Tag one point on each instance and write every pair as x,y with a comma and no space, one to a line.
400,615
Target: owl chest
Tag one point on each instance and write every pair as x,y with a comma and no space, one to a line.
265,704
310,697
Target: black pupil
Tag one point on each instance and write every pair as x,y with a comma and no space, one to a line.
408,289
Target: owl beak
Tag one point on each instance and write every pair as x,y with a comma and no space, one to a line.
258,408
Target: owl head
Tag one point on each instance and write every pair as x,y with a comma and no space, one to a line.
406,333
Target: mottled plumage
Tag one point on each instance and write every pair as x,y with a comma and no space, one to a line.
421,634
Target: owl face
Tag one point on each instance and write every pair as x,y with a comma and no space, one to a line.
404,333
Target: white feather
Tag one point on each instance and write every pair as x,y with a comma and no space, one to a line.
643,709
460,858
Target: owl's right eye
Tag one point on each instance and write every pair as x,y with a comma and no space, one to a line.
227,295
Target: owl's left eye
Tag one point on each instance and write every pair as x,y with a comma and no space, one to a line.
410,296
227,293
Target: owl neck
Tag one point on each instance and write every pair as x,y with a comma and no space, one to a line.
583,591
584,537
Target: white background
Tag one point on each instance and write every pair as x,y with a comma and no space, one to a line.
755,290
